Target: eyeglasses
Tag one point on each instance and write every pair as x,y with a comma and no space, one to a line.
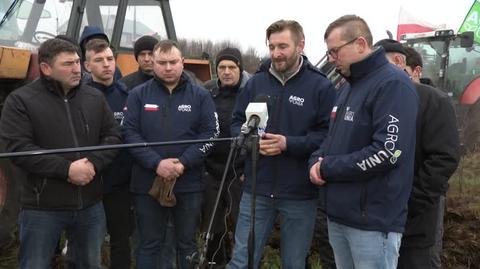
334,52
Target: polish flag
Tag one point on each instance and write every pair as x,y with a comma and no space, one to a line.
407,23
150,107
333,114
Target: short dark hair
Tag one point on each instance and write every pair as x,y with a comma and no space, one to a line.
295,28
414,58
353,27
52,47
166,46
97,45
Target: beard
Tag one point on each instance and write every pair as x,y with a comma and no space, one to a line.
285,64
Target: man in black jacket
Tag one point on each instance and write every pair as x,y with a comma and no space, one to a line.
62,192
224,90
436,158
143,51
100,62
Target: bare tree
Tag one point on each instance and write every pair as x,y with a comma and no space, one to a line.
206,49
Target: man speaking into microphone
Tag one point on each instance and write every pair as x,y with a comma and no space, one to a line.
298,109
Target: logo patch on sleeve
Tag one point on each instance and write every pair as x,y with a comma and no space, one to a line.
333,114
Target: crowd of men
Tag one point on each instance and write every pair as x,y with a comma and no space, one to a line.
373,156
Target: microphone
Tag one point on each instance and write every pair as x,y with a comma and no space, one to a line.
257,117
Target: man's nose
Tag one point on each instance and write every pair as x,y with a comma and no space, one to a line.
76,67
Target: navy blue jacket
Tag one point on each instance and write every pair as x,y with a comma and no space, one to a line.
369,152
117,175
155,115
299,110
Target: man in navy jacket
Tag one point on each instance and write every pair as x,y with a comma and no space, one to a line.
300,100
366,162
167,108
100,62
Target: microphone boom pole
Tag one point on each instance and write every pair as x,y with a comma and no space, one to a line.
110,147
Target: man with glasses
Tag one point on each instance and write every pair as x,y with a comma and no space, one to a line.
366,162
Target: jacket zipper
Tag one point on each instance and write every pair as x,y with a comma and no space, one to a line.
38,191
85,123
331,134
363,201
75,142
278,106
165,122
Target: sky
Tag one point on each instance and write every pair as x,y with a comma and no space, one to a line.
245,21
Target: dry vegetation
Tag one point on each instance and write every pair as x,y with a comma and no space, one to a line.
461,247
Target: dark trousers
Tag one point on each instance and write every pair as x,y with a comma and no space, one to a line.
120,224
320,241
152,220
412,258
429,256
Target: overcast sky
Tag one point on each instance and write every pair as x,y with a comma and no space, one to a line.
245,21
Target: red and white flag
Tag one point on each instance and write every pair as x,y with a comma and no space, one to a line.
150,107
407,23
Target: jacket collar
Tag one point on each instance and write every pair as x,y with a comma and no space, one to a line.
181,83
266,64
107,89
216,89
369,64
55,86
143,76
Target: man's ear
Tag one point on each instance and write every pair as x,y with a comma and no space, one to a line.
398,60
87,66
361,44
46,69
418,70
301,46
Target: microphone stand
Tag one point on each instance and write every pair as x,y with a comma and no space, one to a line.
203,251
255,138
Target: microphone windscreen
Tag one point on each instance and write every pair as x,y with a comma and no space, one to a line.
261,98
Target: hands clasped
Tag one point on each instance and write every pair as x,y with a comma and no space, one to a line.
81,172
170,169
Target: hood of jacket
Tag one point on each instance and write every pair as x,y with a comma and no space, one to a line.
88,33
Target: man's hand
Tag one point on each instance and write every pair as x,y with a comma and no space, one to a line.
81,172
179,168
169,169
315,176
272,144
